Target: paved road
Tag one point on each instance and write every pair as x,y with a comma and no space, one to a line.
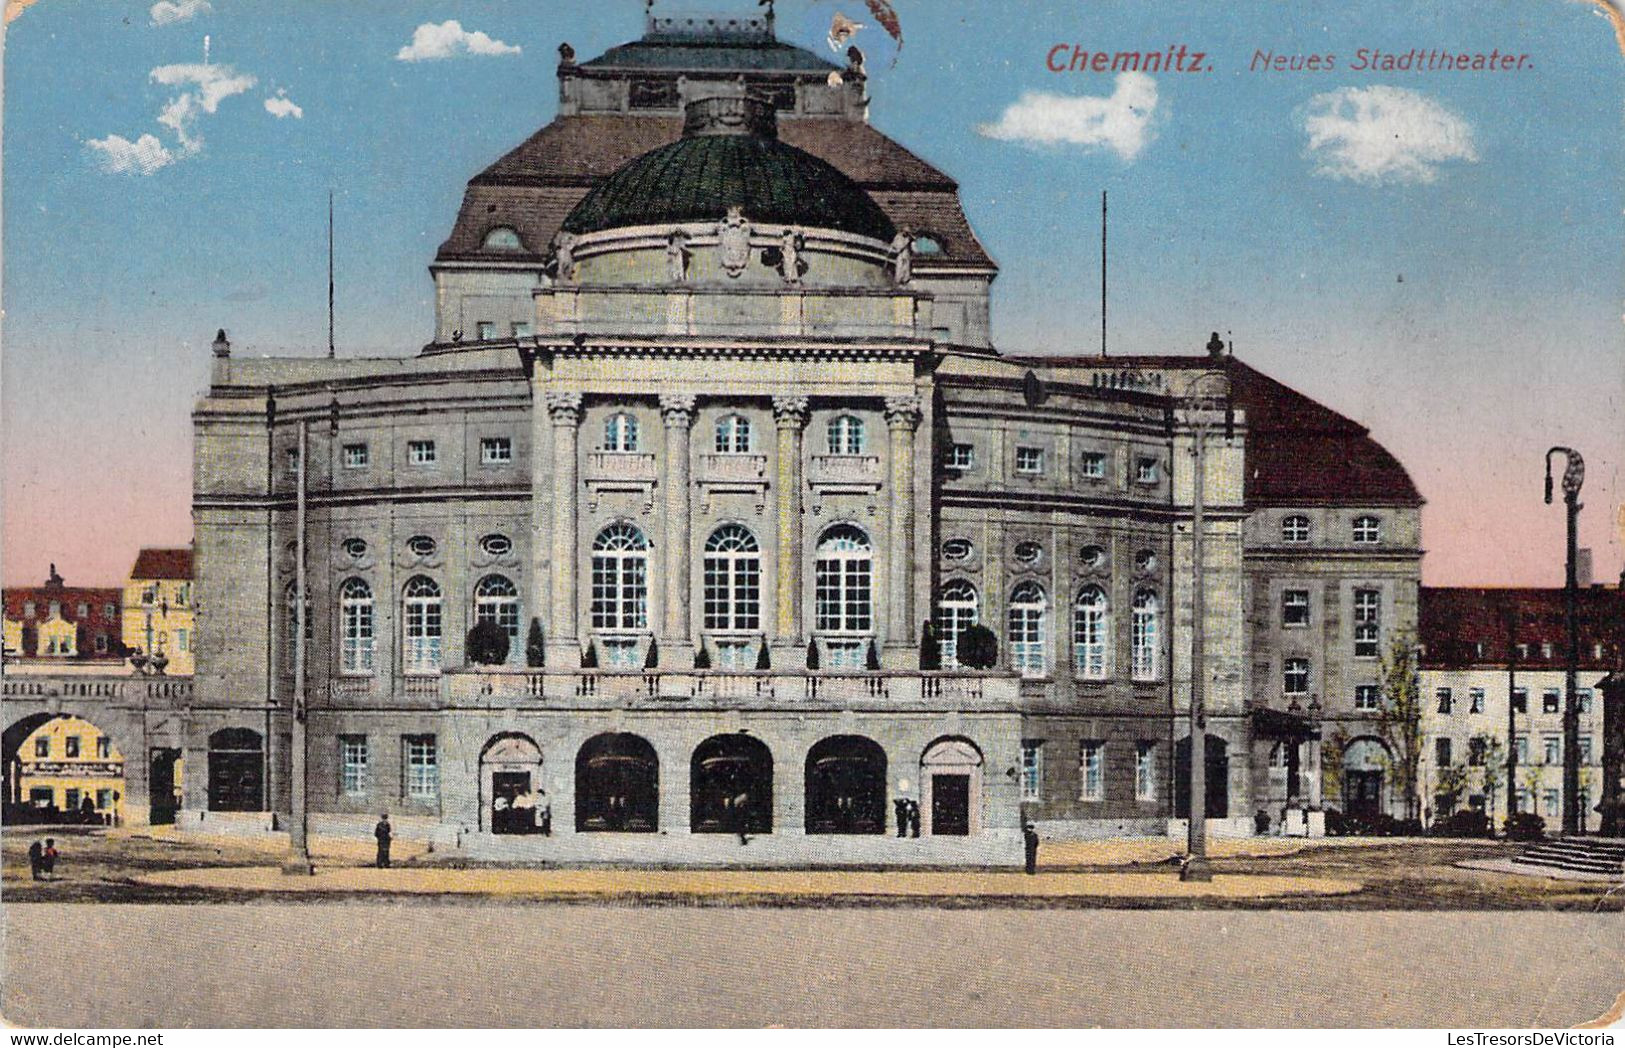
386,964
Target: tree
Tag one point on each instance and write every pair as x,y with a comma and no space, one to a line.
487,644
535,645
589,658
764,659
930,650
651,660
1400,719
702,657
977,648
1331,765
1495,769
812,654
1452,784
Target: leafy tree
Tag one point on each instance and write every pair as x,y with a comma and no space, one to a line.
1400,719
1331,765
535,645
977,648
930,650
1452,784
764,659
1495,769
487,644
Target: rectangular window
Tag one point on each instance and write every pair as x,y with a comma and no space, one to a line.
734,655
1520,746
1367,697
1295,608
291,458
83,610
420,452
621,654
1145,470
104,800
1553,745
42,746
496,451
961,456
1554,802
1091,784
1582,698
485,330
70,746
1446,700
1551,700
104,748
1029,460
422,767
1525,800
1032,770
1520,700
353,764
1475,700
355,456
1477,747
844,654
1367,623
1441,753
41,796
1585,749
522,329
101,643
70,799
28,609
1093,465
109,610
183,640
1295,677
1145,770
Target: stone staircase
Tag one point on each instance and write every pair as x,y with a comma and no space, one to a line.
1603,855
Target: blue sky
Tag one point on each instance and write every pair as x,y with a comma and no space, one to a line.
1466,307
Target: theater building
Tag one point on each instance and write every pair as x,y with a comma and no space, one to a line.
710,425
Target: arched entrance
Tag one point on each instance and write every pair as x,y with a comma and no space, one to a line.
731,786
511,796
236,770
951,788
846,786
1215,778
61,768
617,785
1365,766
164,785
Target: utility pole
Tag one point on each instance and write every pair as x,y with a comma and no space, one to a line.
298,861
1573,477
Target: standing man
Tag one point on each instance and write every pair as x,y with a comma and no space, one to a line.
544,813
384,835
1029,837
48,859
36,860
913,818
901,805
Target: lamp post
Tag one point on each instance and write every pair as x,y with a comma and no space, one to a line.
1201,409
1573,476
298,861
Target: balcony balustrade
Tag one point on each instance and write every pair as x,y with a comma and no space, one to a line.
844,472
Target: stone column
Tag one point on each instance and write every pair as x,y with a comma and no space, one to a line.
790,419
1314,771
902,418
677,410
565,411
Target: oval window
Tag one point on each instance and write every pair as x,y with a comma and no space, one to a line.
1145,560
956,549
1029,552
496,545
355,548
421,546
1092,557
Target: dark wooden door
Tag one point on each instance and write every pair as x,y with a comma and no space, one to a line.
236,781
165,798
950,805
1364,789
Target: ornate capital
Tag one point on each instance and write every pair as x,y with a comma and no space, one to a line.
790,412
677,409
565,408
903,412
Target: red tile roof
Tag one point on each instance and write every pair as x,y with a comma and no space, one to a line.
162,564
1465,626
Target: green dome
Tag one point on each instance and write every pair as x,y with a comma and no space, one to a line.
698,178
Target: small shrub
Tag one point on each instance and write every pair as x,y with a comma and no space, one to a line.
487,644
1464,823
930,649
535,645
589,658
764,659
977,648
1525,826
812,654
702,657
651,660
872,660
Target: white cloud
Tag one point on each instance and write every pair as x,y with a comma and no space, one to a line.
1384,134
280,106
166,12
1120,121
119,155
430,41
209,86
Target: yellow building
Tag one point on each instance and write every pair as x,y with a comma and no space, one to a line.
14,637
158,613
67,760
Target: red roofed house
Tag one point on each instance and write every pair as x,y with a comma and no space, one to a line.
56,621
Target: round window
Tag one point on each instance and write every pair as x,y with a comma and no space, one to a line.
1092,557
496,545
956,549
1145,560
421,546
1029,552
355,548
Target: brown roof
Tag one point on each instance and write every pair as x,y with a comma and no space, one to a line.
1299,451
534,186
95,598
1464,626
162,564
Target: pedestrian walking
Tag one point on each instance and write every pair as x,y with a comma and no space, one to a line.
913,818
48,859
1029,838
384,835
901,806
36,860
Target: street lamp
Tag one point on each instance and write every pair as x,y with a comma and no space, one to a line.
1201,410
1574,475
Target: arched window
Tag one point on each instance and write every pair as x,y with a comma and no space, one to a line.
503,238
291,622
356,627
423,624
957,611
733,435
496,600
846,435
620,579
1145,639
733,580
621,432
1090,628
1027,627
925,244
842,597
1295,528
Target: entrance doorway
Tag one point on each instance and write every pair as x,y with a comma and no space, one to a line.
731,786
163,786
950,805
617,785
236,770
951,788
1365,761
846,786
511,792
